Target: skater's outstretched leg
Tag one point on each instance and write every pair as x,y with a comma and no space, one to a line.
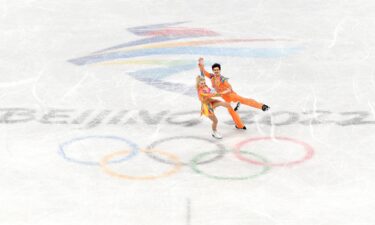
235,116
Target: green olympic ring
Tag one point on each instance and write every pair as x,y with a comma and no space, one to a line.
196,159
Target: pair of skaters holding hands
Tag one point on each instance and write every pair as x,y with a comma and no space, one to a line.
221,88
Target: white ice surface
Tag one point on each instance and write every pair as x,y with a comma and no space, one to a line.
333,71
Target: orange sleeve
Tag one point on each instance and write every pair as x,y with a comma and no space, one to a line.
204,72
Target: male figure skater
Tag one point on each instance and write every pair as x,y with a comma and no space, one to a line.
221,85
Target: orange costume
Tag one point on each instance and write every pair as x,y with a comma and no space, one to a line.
205,96
220,84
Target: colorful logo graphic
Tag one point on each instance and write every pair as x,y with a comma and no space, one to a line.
168,40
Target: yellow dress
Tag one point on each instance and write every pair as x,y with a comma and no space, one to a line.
205,96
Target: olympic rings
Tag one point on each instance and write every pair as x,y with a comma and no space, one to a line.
62,147
175,162
221,149
194,166
176,165
308,155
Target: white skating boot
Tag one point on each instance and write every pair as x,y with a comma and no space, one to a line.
216,135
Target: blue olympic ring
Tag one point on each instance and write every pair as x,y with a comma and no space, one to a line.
133,146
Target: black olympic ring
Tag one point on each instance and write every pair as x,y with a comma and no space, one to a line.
221,149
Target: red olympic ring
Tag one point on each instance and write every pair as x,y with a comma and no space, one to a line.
308,155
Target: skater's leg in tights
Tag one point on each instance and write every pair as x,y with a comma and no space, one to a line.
214,121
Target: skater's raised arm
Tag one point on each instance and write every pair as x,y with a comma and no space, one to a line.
201,68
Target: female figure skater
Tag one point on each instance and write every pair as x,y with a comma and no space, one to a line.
205,95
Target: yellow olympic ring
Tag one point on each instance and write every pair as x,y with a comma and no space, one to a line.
106,159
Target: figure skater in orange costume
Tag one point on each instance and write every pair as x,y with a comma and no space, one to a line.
208,104
221,85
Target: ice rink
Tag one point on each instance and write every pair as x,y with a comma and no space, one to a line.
100,121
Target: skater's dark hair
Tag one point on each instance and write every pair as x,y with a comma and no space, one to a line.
216,65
